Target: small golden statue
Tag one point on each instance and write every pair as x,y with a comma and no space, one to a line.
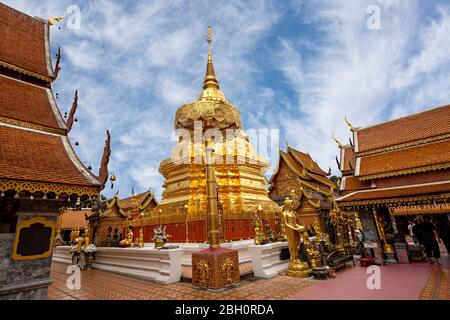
257,228
296,268
79,241
313,255
140,239
86,238
128,241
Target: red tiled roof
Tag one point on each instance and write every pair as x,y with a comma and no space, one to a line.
74,219
25,102
403,159
291,162
32,156
321,179
353,183
349,158
307,161
23,41
418,126
396,192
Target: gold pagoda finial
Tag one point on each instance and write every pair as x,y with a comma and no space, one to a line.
53,20
210,76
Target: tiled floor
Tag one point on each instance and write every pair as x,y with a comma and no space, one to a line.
100,285
414,281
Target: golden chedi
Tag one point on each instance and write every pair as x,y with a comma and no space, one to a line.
239,171
294,231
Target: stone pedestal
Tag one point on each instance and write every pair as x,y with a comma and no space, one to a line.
266,260
215,269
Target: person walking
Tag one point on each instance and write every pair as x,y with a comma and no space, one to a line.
443,230
427,238
411,232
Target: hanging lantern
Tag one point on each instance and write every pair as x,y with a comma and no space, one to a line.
112,178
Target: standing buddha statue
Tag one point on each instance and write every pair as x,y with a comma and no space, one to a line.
296,268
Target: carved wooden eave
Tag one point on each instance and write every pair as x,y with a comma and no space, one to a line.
114,204
45,187
73,109
103,171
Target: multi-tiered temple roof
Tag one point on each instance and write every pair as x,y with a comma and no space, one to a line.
36,155
399,161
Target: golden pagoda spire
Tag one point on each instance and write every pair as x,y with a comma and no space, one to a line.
210,76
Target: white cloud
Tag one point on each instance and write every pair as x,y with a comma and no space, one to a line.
362,73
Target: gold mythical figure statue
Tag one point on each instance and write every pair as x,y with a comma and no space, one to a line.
296,268
128,241
313,255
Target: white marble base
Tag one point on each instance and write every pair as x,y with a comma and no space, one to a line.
266,261
161,266
62,254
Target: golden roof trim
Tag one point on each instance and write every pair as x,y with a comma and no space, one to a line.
403,145
46,187
443,196
433,167
38,76
29,125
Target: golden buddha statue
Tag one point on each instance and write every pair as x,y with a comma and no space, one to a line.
388,248
128,241
296,268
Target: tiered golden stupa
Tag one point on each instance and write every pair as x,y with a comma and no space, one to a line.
241,185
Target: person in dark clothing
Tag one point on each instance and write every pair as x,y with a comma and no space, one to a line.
427,238
416,229
443,230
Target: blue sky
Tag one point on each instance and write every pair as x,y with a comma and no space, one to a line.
298,66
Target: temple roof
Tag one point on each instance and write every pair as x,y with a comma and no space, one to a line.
74,219
423,125
29,103
25,43
35,152
348,160
306,174
32,156
396,192
415,159
306,161
126,204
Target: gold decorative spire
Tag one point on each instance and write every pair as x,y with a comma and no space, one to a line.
210,76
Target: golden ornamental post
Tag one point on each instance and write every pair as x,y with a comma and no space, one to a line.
211,194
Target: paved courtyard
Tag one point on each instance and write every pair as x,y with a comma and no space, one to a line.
414,281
